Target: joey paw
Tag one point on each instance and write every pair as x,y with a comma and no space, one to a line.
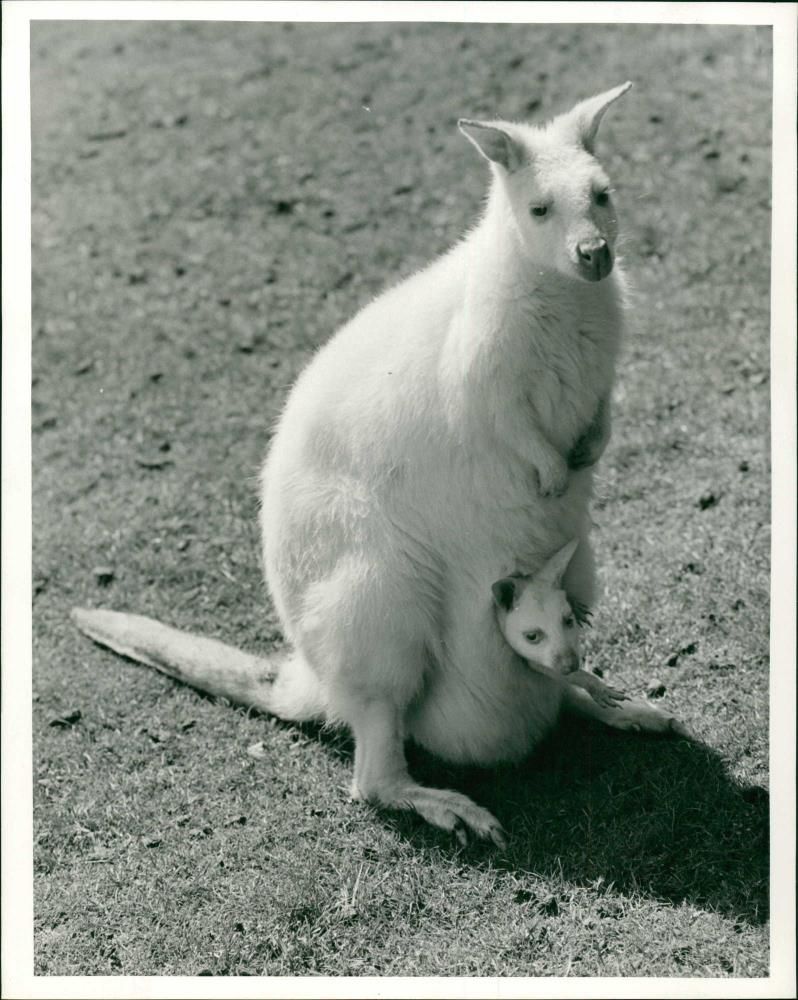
609,697
581,611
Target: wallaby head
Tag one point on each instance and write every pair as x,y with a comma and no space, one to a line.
557,191
535,616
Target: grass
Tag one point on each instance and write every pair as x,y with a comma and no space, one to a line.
209,203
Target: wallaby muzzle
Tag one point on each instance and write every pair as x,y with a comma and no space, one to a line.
567,663
594,259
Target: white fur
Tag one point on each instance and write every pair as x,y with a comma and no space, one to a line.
441,440
423,454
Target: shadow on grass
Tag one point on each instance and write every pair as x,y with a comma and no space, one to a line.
624,812
631,814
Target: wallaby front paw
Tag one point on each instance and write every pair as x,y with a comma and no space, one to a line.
582,455
588,448
553,477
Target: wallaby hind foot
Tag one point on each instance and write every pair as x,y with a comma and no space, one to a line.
632,714
442,808
381,777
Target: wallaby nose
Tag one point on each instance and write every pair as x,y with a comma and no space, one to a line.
595,259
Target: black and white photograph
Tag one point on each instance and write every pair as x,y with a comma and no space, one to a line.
409,597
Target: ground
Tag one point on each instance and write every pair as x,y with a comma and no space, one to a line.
210,202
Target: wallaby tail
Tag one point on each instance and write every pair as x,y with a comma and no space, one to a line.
207,664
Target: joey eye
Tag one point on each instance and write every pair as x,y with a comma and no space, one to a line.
539,210
534,637
602,198
569,621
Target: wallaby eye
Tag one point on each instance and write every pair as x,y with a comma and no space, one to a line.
569,621
539,210
602,198
534,637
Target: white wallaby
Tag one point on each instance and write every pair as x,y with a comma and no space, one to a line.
442,439
539,623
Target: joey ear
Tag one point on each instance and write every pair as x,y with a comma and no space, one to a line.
504,593
586,117
555,568
494,143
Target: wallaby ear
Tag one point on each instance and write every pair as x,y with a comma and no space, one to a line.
494,143
555,568
586,117
504,593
